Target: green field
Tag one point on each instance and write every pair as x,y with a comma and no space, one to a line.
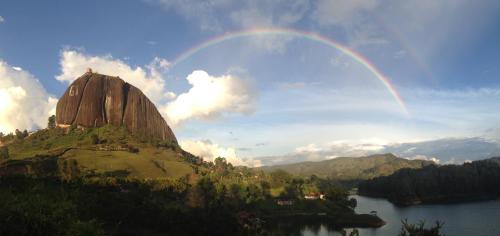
105,150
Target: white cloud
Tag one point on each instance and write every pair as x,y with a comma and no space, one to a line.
225,15
448,150
147,78
425,158
440,151
341,12
330,150
308,148
2,19
204,13
24,103
210,97
221,15
209,151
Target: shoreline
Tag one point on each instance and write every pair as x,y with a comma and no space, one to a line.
435,201
344,220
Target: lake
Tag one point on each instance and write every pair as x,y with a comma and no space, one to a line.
461,219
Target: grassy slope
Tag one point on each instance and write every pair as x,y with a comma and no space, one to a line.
349,168
149,162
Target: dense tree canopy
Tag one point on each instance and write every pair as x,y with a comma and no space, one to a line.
470,181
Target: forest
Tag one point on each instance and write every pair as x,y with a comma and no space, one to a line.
47,186
110,205
477,180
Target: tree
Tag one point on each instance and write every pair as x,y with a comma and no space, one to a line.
51,122
253,193
21,135
4,153
266,188
280,177
206,188
291,191
419,229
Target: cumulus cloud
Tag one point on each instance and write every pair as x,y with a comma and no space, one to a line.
2,19
209,151
148,78
24,103
211,96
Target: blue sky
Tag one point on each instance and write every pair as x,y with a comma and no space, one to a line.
268,96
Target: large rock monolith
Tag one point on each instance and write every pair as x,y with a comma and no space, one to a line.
94,100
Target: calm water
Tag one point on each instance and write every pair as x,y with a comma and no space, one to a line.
464,219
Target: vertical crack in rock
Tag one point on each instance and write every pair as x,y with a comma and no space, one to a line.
126,89
71,101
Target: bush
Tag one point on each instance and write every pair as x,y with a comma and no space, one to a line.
94,139
132,149
167,145
419,229
21,134
47,146
4,153
51,122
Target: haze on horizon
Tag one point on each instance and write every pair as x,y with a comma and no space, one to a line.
268,98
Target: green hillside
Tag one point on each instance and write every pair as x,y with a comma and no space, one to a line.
350,168
107,181
99,151
477,180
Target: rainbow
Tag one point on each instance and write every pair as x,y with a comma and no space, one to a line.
298,34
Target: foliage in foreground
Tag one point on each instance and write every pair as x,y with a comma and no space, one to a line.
419,229
235,198
46,189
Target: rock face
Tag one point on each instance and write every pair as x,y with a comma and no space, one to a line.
94,100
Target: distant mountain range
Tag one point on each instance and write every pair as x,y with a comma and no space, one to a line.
443,151
350,168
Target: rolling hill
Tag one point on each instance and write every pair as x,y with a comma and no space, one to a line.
350,168
107,150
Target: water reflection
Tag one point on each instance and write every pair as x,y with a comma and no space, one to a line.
464,219
472,218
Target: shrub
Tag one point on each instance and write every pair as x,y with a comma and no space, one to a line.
94,139
132,149
4,153
51,122
21,134
419,229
